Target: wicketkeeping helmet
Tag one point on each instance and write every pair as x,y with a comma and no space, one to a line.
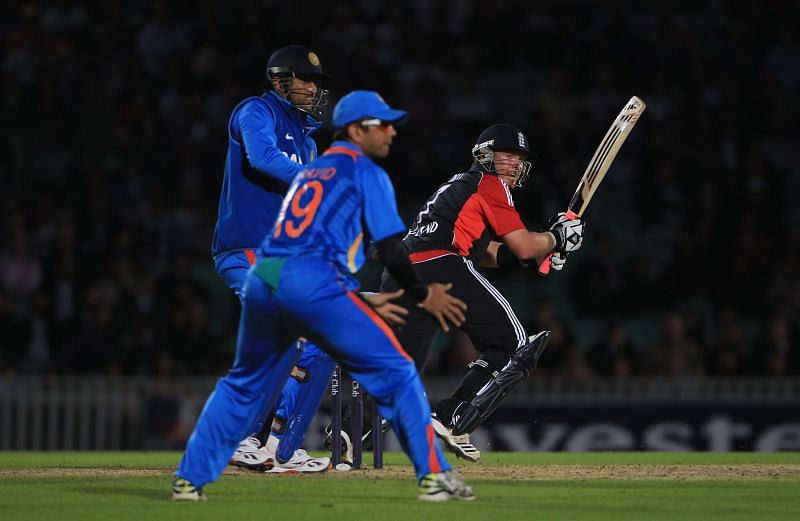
502,137
298,61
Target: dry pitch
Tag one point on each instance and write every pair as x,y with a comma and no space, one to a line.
698,472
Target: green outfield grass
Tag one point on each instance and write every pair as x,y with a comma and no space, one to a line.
135,485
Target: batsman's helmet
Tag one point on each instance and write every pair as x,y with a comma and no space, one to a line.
502,137
298,61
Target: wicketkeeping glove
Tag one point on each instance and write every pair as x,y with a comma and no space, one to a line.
568,233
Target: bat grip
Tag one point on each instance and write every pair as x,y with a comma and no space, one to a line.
544,267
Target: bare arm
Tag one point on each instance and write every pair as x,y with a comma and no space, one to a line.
528,245
489,259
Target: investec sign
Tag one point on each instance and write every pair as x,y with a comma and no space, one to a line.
643,427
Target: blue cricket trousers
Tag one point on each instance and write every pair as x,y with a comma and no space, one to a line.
232,267
313,292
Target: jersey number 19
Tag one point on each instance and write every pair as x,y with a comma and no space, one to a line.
301,215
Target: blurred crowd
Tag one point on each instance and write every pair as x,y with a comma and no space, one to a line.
114,133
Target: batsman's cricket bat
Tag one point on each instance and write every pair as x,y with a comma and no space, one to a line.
600,163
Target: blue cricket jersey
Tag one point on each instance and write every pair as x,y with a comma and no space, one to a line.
335,207
269,141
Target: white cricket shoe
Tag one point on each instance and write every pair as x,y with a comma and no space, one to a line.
461,446
299,462
250,455
248,444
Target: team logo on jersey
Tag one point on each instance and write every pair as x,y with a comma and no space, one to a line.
425,229
313,59
294,158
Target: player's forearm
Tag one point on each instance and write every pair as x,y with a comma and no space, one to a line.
528,245
489,259
543,243
272,163
257,133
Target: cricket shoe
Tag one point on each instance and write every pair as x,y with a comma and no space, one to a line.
299,462
184,490
366,439
249,455
461,445
346,445
444,486
249,444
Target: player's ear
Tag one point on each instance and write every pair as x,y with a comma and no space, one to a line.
355,132
277,87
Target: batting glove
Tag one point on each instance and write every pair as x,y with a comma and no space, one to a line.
558,261
568,233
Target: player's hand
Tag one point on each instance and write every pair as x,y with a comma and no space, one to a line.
443,306
558,218
568,233
390,312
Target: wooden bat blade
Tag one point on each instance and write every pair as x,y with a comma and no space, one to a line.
606,153
600,163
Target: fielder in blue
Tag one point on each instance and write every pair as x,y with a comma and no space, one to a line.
335,207
269,142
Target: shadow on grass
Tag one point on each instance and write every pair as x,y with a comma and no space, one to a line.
128,490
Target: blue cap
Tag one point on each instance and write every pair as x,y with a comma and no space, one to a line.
363,104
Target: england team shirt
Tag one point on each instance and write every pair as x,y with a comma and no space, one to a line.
464,215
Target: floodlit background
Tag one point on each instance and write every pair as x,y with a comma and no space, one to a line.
676,327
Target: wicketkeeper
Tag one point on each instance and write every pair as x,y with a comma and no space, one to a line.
335,208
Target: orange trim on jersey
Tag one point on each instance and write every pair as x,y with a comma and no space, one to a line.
251,257
433,461
367,309
352,251
423,256
343,150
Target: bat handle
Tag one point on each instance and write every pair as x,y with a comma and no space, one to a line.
544,267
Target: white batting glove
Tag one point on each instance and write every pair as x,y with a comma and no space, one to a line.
557,261
568,233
